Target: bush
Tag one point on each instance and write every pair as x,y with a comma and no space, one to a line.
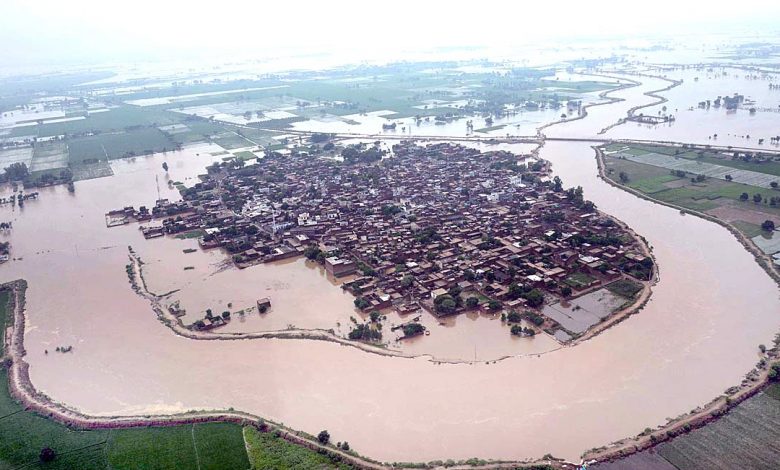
323,437
513,317
412,329
47,454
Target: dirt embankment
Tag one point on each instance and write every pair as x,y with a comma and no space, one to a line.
604,95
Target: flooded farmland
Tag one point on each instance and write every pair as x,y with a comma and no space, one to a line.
697,336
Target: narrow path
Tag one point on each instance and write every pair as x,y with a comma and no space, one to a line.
195,445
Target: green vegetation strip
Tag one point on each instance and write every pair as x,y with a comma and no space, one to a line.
269,451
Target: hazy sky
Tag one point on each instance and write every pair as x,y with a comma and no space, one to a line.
90,30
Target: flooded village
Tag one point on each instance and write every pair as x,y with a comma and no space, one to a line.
443,228
333,263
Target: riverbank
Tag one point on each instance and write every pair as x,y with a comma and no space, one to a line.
755,380
763,260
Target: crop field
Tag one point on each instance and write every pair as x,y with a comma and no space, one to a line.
747,437
49,156
16,155
4,297
769,166
89,171
267,451
119,118
715,196
231,140
581,313
698,167
119,145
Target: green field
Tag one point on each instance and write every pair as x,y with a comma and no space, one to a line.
5,295
624,287
266,451
579,280
703,196
123,117
118,145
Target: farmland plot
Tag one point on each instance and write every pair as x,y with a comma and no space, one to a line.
49,156
748,437
16,155
752,178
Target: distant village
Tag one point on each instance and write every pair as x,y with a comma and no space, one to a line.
441,227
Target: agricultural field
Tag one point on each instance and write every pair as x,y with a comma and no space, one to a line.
667,177
49,156
746,437
266,451
16,155
116,119
118,145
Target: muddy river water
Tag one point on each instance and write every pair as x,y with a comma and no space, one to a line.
697,336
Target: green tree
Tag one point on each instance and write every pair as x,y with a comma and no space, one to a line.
413,329
323,437
472,302
47,454
744,197
513,317
535,298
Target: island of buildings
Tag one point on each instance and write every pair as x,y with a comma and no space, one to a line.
442,227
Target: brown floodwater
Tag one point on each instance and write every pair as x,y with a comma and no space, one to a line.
697,336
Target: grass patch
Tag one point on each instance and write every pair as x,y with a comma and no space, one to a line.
5,319
773,391
267,451
654,184
748,229
624,287
191,234
579,280
245,155
118,145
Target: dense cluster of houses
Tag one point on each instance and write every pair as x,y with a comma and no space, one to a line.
423,227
